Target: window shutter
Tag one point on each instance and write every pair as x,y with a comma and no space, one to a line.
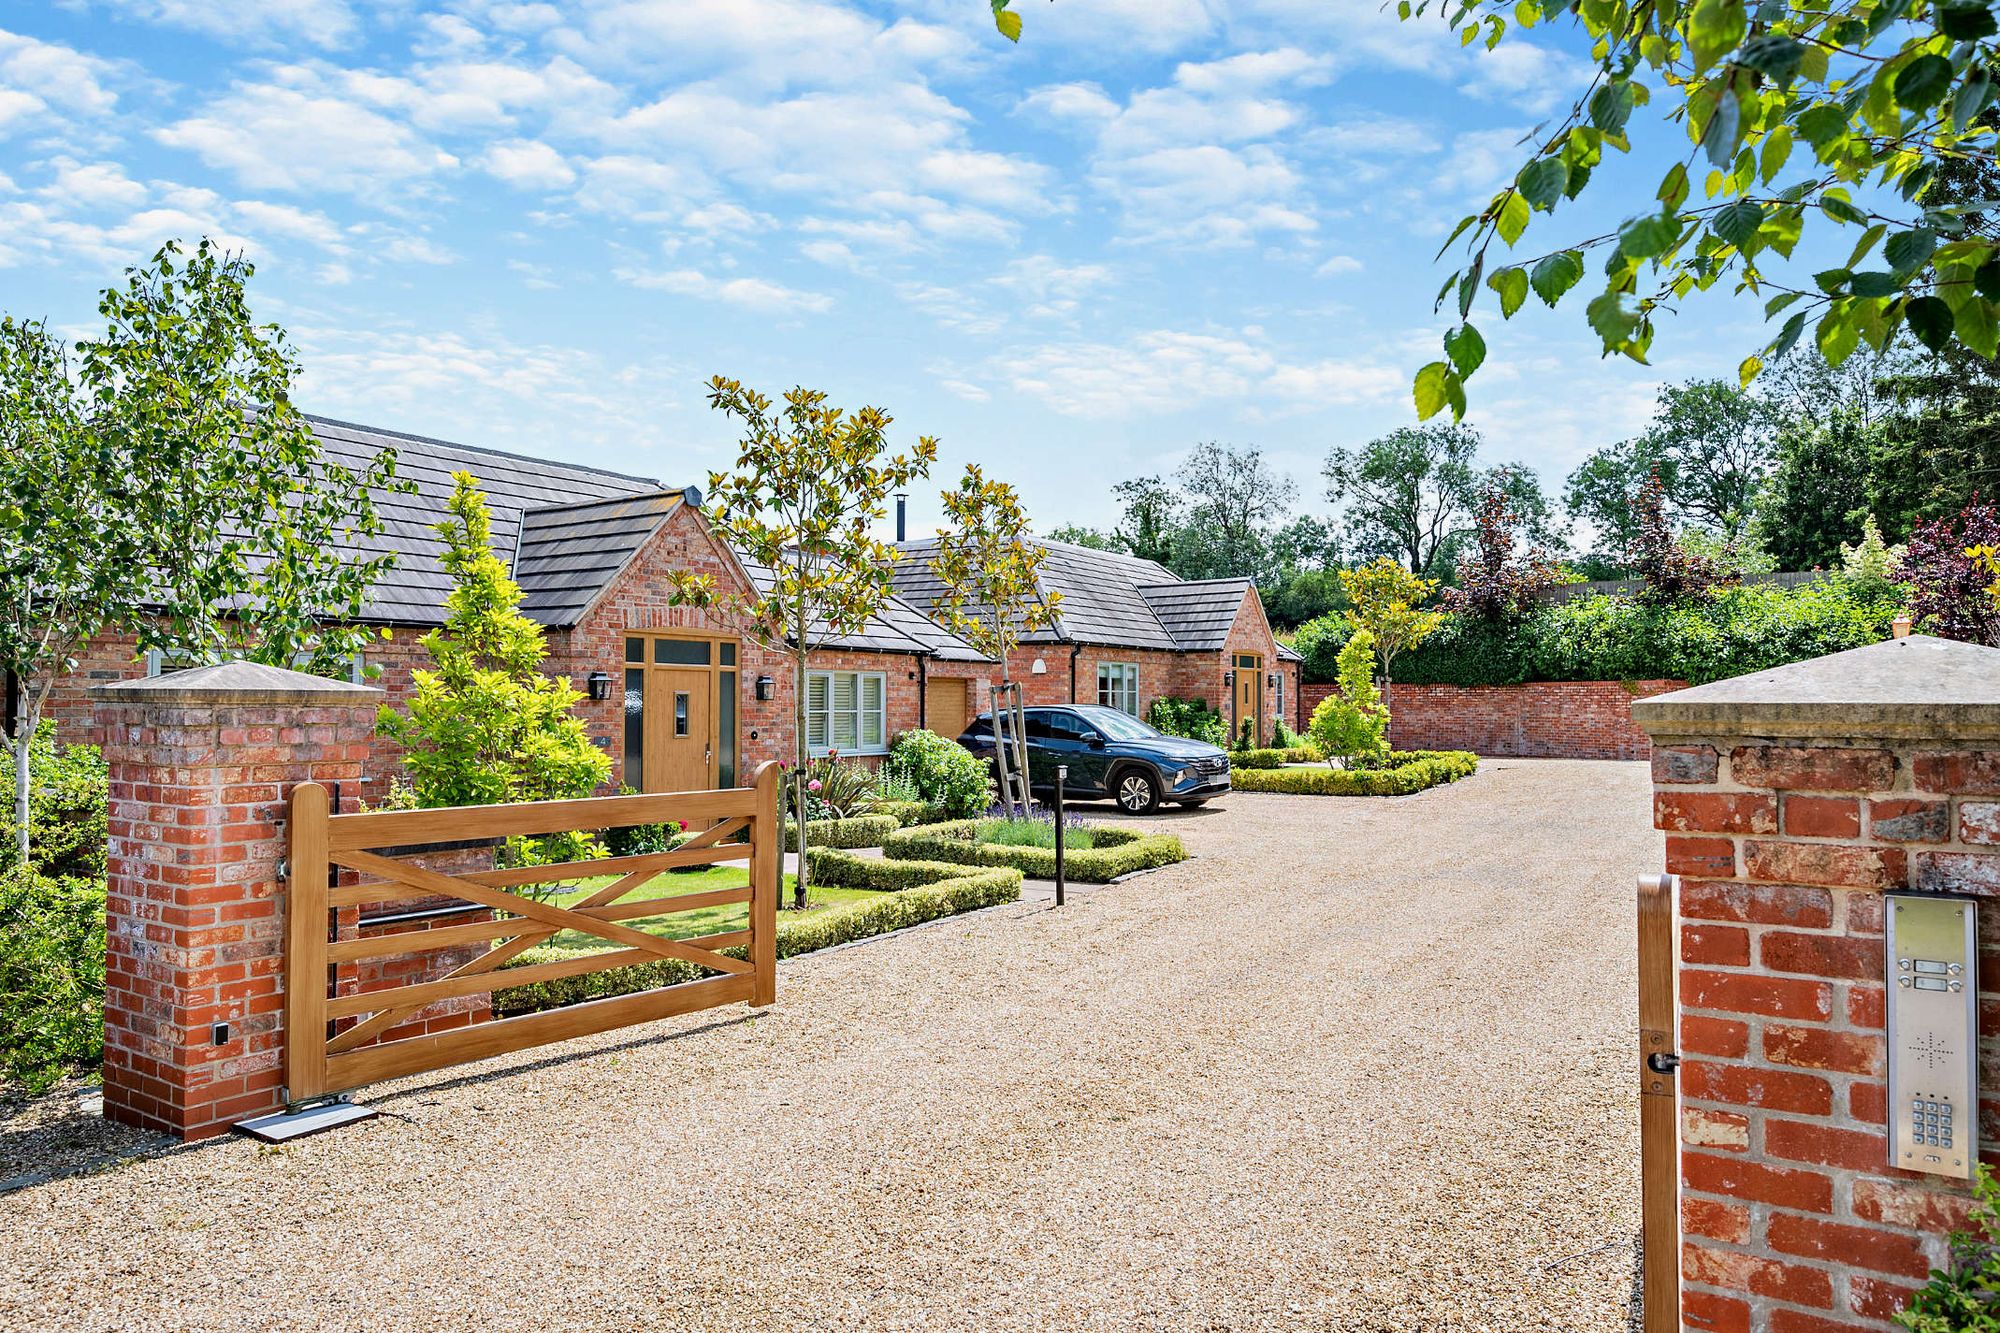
816,727
871,711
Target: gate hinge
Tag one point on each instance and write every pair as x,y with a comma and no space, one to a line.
1658,1060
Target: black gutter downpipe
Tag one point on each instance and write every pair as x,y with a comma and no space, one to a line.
924,695
902,519
1075,651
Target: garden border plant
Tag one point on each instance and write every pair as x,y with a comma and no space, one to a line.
1117,851
1403,773
854,831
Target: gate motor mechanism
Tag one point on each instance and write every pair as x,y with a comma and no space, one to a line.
1933,1032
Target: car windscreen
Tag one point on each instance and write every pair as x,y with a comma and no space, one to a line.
1118,726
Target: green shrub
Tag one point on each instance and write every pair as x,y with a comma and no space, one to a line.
837,788
1967,1298
860,831
1319,642
967,892
1403,772
1191,719
66,799
907,813
1031,833
1116,851
940,771
1305,753
1609,637
1242,759
1353,724
51,977
845,870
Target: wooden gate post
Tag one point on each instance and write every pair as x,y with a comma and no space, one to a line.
767,838
1659,1130
200,765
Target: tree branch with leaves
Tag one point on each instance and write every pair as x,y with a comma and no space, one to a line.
808,491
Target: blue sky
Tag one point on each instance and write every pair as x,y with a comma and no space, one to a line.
542,227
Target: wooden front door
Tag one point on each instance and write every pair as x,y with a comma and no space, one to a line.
680,712
1250,696
946,706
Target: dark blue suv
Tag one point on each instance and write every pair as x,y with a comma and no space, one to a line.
1111,755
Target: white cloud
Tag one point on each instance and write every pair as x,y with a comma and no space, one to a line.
750,293
1338,265
319,22
79,185
273,137
37,77
1170,371
284,220
529,164
407,249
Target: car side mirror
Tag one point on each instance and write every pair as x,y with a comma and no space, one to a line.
1095,742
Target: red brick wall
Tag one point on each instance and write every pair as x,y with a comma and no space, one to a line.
194,922
1792,1218
1584,719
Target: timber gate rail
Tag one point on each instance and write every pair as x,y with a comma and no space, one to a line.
320,1060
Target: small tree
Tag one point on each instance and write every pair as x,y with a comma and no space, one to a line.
1386,600
158,482
1492,583
992,587
484,725
1353,725
1869,566
1673,572
807,493
1951,587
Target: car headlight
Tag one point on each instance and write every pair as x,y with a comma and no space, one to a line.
1182,776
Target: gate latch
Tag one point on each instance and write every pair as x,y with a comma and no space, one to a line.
1658,1061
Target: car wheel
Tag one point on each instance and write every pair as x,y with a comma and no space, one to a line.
1138,792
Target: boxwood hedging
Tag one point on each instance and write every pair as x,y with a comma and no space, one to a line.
1118,851
1405,771
855,831
909,813
962,891
1612,637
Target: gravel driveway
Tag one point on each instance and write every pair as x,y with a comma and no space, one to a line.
1357,1065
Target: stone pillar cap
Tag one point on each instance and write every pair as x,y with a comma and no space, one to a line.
235,683
1920,687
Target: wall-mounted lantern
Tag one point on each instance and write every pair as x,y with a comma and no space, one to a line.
1272,680
766,688
1229,679
599,685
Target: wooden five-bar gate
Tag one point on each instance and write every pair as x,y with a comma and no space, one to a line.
327,1050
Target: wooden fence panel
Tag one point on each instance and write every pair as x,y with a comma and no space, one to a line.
318,1062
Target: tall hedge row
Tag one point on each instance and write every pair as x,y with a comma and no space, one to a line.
1609,637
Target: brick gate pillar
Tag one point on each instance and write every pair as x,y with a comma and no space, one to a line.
1792,799
201,763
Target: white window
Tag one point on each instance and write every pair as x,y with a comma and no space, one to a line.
846,711
1118,686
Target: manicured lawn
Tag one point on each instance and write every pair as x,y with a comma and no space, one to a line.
702,921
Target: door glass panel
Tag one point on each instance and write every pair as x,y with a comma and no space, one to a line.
635,650
729,654
681,652
726,725
635,725
680,713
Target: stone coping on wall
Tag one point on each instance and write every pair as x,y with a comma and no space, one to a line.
1919,688
235,683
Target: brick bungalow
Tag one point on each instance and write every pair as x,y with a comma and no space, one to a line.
1127,631
681,698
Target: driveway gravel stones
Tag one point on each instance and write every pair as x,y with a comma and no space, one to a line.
1358,1064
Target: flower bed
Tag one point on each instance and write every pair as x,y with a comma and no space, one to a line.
922,893
1116,851
1405,771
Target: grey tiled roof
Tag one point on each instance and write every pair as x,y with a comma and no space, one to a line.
1106,598
413,592
568,553
897,628
1199,613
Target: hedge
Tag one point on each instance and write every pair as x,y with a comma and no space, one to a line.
51,977
909,813
820,930
1612,637
855,831
1118,851
845,870
1405,772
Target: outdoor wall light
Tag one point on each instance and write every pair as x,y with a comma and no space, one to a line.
1038,668
599,685
766,687
1229,679
1272,680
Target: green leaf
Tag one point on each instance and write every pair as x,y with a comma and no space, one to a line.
1922,83
1009,24
1931,320
1714,29
1788,336
1976,328
1674,189
1557,274
1749,369
1840,210
1966,20
1430,390
1648,235
1874,284
1777,148
1837,335
1466,348
1986,280
1971,98
1543,181
1723,130
1511,284
1611,106
1822,124
1908,251
1739,222
1468,286
1612,321
1775,56
1513,217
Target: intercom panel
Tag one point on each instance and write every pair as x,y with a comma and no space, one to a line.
1933,1034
